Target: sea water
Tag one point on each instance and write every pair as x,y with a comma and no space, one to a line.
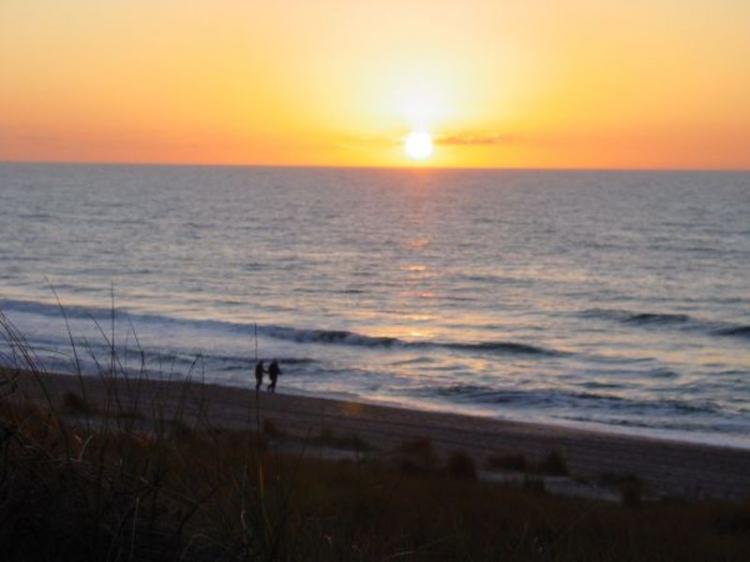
614,300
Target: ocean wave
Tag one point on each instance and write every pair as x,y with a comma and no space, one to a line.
651,318
53,309
567,399
343,337
709,424
501,347
736,331
680,321
92,355
640,318
340,337
287,333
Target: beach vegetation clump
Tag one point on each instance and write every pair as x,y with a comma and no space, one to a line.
554,464
631,489
630,494
534,483
329,438
420,449
182,431
498,462
734,520
75,404
461,466
271,429
417,456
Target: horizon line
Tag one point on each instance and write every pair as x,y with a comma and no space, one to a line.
405,167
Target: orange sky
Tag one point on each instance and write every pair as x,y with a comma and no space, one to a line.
580,83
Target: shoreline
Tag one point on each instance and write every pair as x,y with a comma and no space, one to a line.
667,468
656,414
721,440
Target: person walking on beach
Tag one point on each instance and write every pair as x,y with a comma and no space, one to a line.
258,375
273,374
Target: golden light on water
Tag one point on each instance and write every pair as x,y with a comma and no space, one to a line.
418,145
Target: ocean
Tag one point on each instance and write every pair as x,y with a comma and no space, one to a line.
617,301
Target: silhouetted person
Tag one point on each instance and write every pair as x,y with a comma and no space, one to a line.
273,374
258,375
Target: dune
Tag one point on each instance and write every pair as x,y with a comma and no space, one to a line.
666,468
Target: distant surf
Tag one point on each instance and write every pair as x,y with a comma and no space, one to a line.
100,316
682,321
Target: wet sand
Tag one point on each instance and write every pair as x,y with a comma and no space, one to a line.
667,468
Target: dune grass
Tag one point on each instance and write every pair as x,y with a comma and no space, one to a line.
222,495
145,478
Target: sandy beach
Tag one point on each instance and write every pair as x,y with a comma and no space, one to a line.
667,468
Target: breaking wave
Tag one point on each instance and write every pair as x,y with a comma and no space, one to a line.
678,321
297,335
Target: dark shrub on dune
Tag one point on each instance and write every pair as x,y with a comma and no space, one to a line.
461,467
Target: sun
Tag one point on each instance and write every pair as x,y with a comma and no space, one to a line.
418,145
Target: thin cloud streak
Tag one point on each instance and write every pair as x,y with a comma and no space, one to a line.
474,140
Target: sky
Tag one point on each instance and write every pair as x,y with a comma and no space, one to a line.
496,83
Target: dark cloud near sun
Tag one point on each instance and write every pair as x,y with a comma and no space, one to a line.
458,139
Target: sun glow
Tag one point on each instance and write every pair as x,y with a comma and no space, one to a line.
496,84
418,145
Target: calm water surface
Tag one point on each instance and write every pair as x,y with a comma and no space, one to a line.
615,299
